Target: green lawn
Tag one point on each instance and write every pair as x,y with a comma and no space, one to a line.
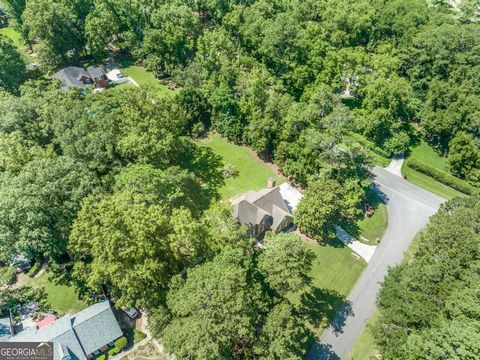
62,298
364,348
425,153
374,227
14,35
252,173
334,273
144,78
429,184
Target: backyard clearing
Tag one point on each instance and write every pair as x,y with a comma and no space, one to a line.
14,35
145,78
253,173
61,298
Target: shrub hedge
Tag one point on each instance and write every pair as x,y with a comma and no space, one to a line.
121,343
101,357
440,176
113,351
34,269
7,276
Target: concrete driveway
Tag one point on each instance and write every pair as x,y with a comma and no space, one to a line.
409,209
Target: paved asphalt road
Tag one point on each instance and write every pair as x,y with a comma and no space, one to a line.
409,209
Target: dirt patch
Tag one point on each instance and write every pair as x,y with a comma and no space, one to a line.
147,351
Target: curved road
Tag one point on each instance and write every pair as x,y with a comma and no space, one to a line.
409,209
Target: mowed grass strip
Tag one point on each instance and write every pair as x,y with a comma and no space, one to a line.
374,227
424,152
365,348
61,298
252,173
427,154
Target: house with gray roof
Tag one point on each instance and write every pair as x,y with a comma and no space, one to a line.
262,210
74,76
77,337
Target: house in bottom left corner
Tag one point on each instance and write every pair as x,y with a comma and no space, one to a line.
76,337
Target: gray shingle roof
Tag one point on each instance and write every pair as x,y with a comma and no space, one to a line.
96,72
80,334
96,326
252,207
71,75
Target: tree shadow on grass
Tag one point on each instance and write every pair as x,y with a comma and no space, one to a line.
318,306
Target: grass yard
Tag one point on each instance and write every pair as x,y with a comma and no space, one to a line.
364,348
62,298
252,173
14,35
427,154
334,273
373,228
146,79
429,184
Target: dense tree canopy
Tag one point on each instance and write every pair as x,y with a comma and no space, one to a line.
38,204
116,182
225,309
429,306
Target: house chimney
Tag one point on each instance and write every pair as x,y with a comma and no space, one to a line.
271,182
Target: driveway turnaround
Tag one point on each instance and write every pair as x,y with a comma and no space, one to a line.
409,209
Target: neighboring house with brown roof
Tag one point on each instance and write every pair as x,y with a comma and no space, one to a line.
262,210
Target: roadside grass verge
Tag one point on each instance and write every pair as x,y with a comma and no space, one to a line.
430,184
252,175
365,348
423,153
61,298
333,274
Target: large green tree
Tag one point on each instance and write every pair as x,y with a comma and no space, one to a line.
58,26
429,306
170,42
322,207
464,156
284,261
38,205
222,309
